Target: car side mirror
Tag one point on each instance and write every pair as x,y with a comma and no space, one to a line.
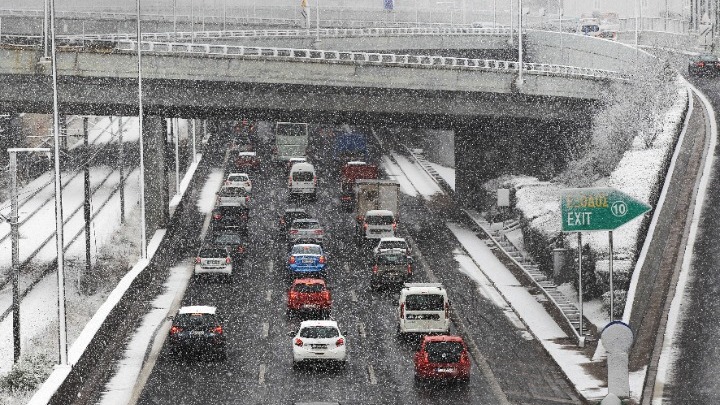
292,333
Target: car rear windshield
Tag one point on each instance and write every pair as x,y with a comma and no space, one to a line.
444,352
212,253
379,219
195,321
306,250
425,302
227,239
306,225
393,245
238,177
303,176
395,258
233,192
319,332
293,215
309,288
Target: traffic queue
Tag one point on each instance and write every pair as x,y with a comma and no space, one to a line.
423,309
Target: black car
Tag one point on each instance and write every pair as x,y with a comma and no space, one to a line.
287,218
704,65
197,329
229,217
234,240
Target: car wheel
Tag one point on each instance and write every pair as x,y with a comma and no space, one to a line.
296,365
418,380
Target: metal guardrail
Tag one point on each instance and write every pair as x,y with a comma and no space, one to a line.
386,59
297,33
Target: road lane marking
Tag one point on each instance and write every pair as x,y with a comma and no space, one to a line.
266,329
371,375
353,296
268,296
271,264
361,330
261,377
347,267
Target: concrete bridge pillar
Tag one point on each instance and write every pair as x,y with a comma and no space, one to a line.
157,200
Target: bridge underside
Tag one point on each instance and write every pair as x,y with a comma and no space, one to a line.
203,99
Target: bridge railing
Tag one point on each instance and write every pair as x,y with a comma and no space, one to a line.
368,57
299,33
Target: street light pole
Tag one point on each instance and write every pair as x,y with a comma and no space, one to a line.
174,19
143,230
15,249
62,325
317,20
520,43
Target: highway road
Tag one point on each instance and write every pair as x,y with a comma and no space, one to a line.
697,364
259,369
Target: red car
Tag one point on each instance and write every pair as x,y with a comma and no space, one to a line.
309,295
247,161
442,357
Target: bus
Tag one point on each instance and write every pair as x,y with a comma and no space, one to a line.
291,140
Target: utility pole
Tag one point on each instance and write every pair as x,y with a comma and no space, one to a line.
86,209
121,158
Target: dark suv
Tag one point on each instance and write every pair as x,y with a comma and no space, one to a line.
232,239
391,266
287,218
229,217
197,329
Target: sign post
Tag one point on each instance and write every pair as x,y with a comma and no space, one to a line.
597,209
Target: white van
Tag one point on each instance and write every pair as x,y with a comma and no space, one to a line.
377,224
423,308
302,180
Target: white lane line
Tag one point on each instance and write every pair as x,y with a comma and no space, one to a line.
271,264
261,377
346,267
268,296
361,330
266,330
353,296
371,375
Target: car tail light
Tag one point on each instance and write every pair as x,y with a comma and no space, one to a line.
218,329
394,226
291,260
228,260
365,226
293,295
217,217
197,260
314,181
402,310
293,231
375,268
274,150
409,269
241,249
699,64
298,342
447,310
247,198
325,295
319,232
321,260
227,182
346,198
175,330
282,221
340,342
359,218
290,181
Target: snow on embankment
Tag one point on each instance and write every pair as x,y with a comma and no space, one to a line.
638,174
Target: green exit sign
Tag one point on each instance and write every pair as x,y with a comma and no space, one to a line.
598,209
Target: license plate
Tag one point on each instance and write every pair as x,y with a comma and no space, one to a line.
376,231
214,262
197,333
318,347
310,306
308,261
445,370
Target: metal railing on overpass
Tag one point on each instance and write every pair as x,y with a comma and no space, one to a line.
298,33
368,58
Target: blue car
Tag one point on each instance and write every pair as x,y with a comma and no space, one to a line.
305,259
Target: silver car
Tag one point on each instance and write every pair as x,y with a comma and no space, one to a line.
306,230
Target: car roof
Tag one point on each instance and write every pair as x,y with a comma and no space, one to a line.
306,244
298,159
214,247
238,174
248,154
423,288
305,220
379,212
309,281
287,210
302,166
197,309
392,239
318,322
443,338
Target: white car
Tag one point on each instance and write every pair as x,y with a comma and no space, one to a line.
239,180
306,230
392,244
232,197
214,260
319,340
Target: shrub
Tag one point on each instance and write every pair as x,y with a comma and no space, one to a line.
538,246
27,374
620,299
591,287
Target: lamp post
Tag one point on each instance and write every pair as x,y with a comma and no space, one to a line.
62,325
317,21
14,233
520,44
143,230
